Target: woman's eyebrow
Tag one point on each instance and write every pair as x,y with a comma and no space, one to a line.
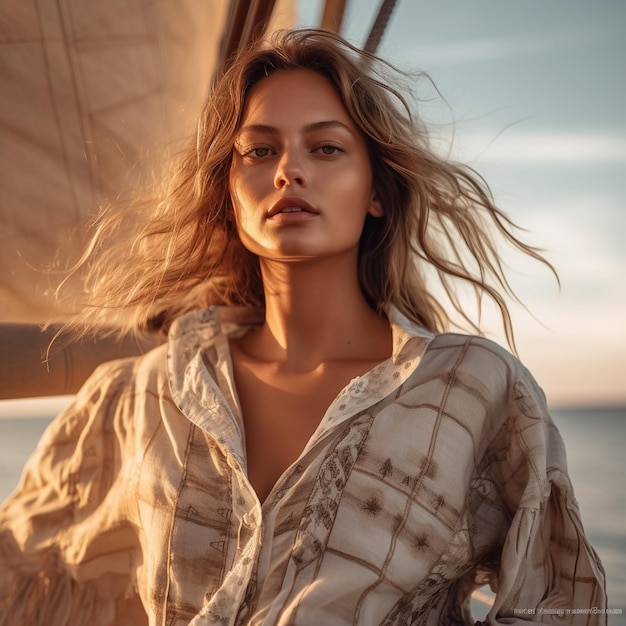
314,126
326,124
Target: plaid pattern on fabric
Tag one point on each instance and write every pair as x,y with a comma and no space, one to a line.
438,470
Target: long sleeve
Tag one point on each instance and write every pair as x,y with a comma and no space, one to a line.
68,545
547,571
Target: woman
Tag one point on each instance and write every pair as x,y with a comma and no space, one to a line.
314,449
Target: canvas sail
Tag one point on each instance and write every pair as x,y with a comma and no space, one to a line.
94,94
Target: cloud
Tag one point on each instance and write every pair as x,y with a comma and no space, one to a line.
541,147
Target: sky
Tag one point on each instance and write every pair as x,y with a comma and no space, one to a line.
532,97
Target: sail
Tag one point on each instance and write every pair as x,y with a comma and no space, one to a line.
94,94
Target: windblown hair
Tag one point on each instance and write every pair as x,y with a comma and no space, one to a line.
157,259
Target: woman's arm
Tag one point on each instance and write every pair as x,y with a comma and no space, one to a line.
547,572
70,543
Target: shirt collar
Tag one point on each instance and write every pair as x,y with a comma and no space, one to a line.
407,336
200,339
199,329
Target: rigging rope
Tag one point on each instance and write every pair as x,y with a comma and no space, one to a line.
378,29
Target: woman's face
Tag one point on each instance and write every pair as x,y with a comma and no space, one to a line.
301,180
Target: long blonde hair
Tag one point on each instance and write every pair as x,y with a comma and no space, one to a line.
156,259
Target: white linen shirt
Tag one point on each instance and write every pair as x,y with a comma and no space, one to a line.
438,470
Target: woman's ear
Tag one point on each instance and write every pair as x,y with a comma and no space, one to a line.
375,208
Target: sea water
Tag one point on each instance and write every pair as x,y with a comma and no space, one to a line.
595,438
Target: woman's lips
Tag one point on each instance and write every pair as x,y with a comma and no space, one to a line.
291,208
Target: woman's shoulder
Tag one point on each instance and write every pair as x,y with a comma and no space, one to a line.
127,375
476,349
485,369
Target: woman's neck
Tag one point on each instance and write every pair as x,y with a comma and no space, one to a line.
315,312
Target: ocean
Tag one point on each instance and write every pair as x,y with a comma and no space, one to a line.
595,438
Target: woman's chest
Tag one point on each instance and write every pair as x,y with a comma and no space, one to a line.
281,412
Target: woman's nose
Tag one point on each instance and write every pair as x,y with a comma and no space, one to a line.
290,171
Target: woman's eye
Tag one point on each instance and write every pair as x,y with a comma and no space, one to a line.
259,152
329,149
